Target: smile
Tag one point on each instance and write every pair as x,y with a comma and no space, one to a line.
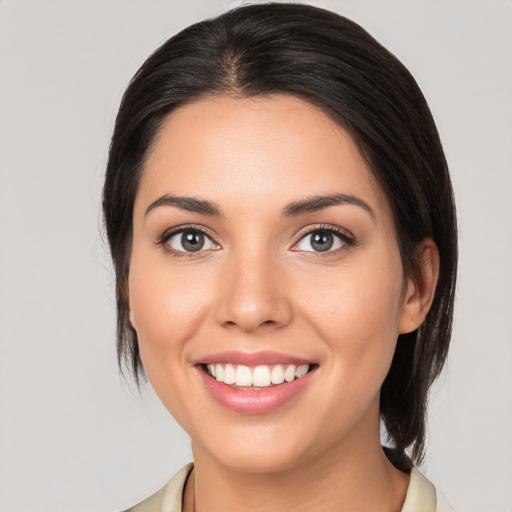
261,376
255,383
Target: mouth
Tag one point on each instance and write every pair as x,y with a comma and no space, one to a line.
256,377
256,383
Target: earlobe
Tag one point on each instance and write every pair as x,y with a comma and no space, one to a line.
421,288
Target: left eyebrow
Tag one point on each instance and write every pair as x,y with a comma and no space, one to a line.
316,203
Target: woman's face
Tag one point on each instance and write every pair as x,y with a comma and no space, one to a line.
263,248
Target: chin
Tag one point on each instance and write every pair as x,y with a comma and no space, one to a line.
256,449
259,461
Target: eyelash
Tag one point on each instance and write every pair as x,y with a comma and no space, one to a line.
166,236
346,237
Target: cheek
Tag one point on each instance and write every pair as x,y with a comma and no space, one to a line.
357,317
167,309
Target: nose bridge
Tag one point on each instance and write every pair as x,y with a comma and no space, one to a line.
253,290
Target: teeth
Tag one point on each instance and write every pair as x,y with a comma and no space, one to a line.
243,376
289,373
219,372
277,375
301,371
261,376
229,374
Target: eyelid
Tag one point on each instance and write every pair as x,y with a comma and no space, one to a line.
167,234
345,235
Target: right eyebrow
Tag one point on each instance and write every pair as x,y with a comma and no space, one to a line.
191,204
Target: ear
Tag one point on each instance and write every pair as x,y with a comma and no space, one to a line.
131,317
421,288
126,297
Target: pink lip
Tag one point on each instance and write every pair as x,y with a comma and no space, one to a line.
252,358
261,401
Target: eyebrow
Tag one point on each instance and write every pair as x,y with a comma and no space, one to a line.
191,204
315,203
293,209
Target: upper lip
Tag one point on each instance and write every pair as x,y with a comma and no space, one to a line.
252,358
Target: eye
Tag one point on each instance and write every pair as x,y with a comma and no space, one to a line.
323,240
189,241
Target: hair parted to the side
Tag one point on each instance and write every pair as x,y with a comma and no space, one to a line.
337,66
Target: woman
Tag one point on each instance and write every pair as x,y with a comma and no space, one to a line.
282,225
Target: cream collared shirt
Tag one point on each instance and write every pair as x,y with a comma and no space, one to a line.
421,495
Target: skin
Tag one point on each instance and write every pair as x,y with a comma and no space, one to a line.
260,286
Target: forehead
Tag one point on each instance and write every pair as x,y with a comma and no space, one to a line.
255,151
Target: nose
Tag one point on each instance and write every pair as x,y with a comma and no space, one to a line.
253,295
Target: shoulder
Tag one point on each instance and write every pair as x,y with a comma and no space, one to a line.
168,498
442,503
422,496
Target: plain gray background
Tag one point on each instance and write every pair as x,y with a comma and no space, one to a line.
74,436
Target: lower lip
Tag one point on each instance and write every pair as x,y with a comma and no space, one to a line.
245,401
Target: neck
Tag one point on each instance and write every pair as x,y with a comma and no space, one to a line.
351,477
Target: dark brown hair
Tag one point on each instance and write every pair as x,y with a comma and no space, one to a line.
334,64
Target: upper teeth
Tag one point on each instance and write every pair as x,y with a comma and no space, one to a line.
259,376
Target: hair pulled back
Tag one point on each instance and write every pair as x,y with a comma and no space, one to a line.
334,64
